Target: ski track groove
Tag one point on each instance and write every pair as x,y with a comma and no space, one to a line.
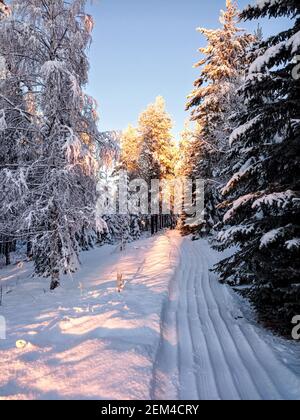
200,382
251,362
238,362
214,326
266,365
214,356
265,380
210,389
222,371
188,378
250,366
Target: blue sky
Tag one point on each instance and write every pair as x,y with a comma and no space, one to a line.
145,48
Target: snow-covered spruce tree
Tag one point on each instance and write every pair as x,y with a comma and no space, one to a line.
156,157
59,182
235,111
184,166
130,150
221,70
157,150
184,170
264,190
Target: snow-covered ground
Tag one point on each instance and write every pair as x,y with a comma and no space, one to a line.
173,333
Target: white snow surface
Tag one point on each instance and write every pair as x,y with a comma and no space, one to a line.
173,333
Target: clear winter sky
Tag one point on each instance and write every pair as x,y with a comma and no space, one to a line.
145,48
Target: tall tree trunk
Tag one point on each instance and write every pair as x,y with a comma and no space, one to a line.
152,225
29,249
5,249
7,253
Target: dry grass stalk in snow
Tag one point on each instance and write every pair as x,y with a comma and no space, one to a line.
120,282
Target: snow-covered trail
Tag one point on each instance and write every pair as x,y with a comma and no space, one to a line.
174,332
207,349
